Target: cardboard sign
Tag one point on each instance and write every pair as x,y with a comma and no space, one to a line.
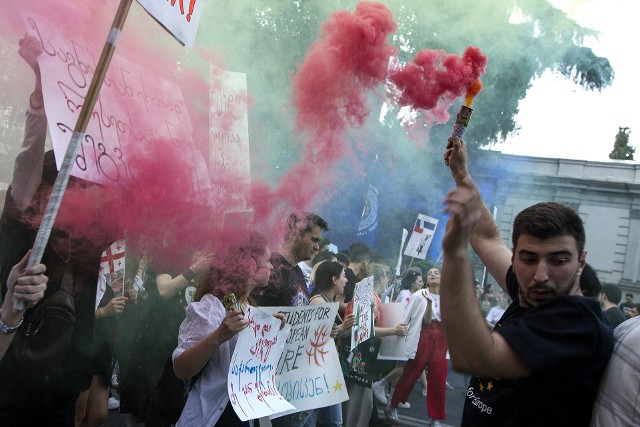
229,156
251,382
421,237
179,17
308,373
392,347
129,112
362,308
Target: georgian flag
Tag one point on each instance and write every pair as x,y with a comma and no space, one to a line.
112,259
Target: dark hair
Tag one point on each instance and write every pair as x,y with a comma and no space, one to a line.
549,219
323,274
343,258
589,283
359,252
233,273
322,256
629,295
612,292
300,223
408,278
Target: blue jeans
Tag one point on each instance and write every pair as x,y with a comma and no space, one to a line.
331,416
307,418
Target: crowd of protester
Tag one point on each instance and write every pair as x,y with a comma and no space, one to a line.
529,334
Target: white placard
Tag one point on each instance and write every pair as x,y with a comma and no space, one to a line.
135,108
392,347
309,374
421,236
229,156
179,17
251,383
362,308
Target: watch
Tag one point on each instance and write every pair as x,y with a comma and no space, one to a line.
6,329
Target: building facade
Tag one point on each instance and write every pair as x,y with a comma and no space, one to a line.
605,194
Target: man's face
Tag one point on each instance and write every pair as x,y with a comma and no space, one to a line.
628,299
633,312
306,245
546,268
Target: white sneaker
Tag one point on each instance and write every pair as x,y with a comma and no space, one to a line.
113,403
379,392
404,405
424,392
435,423
391,415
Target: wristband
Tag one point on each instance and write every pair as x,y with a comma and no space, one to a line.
188,274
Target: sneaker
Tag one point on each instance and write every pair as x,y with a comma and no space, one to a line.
404,405
391,414
379,392
449,386
424,392
435,423
113,403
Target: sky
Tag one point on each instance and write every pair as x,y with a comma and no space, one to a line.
559,119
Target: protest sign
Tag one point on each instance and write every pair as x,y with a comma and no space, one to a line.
362,302
421,237
229,156
308,373
392,346
129,111
179,17
251,382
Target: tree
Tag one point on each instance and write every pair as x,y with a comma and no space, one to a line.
621,149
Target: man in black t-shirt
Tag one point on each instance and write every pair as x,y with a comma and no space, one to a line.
610,296
542,363
287,284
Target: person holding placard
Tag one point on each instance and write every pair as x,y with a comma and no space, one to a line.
329,280
208,335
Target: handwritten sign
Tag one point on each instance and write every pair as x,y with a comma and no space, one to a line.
251,383
421,237
130,113
392,346
308,373
179,17
229,157
362,301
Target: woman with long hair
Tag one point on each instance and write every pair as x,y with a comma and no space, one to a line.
411,282
209,333
431,354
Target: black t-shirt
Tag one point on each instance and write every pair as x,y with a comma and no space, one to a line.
287,286
566,343
614,316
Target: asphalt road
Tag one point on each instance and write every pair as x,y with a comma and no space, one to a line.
416,415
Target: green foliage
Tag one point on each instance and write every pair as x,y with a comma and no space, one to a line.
621,148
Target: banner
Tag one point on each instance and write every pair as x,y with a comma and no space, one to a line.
421,237
362,308
369,219
112,259
229,156
129,112
251,383
392,346
308,373
179,17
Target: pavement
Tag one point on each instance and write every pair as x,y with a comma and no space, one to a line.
415,416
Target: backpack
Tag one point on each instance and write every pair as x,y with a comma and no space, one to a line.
172,392
42,343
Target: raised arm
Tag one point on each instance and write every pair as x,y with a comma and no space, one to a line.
169,286
485,238
27,172
473,348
